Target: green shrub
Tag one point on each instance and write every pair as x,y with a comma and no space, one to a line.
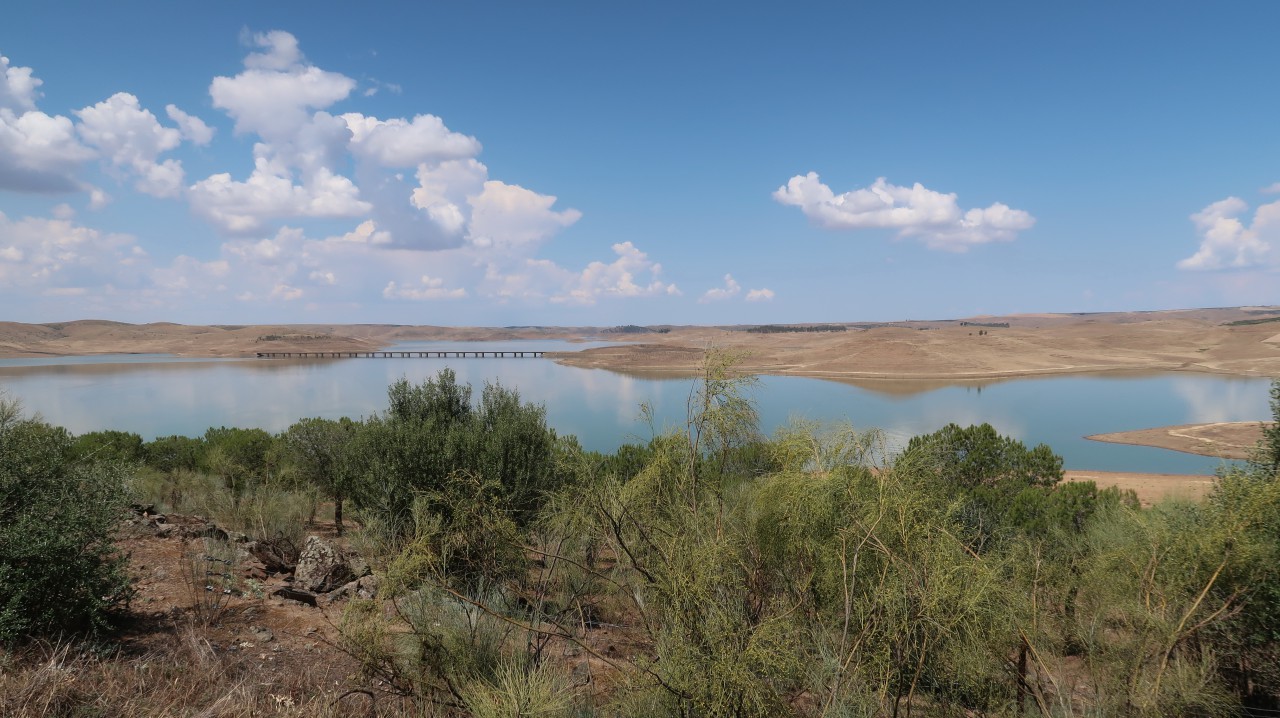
59,569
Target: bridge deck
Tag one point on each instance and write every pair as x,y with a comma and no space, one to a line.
430,354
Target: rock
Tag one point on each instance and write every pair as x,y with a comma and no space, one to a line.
359,566
261,634
364,587
295,595
581,675
321,567
269,556
168,531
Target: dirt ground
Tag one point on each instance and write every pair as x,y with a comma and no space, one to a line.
1150,488
893,357
1201,340
1223,440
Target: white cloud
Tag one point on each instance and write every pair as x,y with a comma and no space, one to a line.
281,51
731,288
933,217
615,279
193,129
428,288
132,138
98,199
38,152
1227,243
43,255
1271,189
18,87
285,293
760,295
273,95
506,214
404,144
270,193
192,278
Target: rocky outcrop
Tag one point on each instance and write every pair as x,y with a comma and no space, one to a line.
321,567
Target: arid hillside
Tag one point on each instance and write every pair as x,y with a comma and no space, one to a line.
1244,341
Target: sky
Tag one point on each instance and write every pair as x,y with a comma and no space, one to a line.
602,163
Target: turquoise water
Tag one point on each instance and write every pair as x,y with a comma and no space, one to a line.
156,395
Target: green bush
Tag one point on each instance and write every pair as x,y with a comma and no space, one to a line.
59,569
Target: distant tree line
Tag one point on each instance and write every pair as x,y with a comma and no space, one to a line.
636,329
996,325
788,328
1245,322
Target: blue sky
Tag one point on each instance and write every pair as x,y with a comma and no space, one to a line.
608,163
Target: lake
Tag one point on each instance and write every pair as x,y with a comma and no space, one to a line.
156,395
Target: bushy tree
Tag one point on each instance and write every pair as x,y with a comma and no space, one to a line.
110,445
987,472
1266,456
322,451
170,453
243,458
60,572
433,430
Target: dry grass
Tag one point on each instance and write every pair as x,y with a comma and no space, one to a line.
187,676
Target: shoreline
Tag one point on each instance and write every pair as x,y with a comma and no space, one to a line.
1150,488
1232,440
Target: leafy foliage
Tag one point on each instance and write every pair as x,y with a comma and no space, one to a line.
59,568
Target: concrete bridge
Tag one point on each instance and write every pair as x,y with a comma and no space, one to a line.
431,354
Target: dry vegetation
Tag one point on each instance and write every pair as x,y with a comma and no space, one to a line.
1203,340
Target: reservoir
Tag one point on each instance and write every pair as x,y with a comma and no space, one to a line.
156,395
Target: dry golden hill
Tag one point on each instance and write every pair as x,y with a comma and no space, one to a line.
1030,345
980,348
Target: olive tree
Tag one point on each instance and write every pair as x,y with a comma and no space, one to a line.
59,568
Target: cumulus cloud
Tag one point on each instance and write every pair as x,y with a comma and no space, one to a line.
131,138
38,152
270,193
283,98
45,153
428,220
407,143
273,96
193,129
1271,189
760,295
18,87
730,289
1227,242
623,277
507,214
57,257
428,288
933,217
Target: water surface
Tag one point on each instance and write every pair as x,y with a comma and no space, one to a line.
156,395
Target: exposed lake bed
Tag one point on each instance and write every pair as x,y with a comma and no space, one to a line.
156,395
1058,379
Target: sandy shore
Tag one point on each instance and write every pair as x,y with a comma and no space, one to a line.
981,348
1223,440
1150,488
895,357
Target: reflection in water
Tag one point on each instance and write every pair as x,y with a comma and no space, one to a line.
156,396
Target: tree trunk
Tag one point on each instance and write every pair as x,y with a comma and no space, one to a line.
337,512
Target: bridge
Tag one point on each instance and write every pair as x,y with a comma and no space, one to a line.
431,354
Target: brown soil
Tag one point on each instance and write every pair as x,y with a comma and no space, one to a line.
1223,440
1199,340
1150,488
1032,345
